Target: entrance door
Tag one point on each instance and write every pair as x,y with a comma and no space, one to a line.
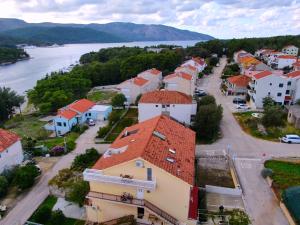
140,193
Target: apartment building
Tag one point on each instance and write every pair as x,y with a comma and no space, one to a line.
154,76
283,89
284,61
290,50
189,70
147,172
196,62
181,82
174,104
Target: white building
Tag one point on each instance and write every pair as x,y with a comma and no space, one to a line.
181,82
284,61
189,70
196,62
154,76
283,89
290,50
11,152
174,104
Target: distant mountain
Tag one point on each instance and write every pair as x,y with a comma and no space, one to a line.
88,33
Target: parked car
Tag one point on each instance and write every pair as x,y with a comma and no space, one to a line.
200,93
291,139
243,106
91,122
239,101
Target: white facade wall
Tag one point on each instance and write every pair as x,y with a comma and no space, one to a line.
180,112
281,63
12,156
63,125
199,67
269,86
184,69
180,84
297,90
290,50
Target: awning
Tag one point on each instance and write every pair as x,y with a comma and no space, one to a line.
193,207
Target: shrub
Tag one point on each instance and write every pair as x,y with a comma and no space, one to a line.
78,191
25,176
57,218
114,117
103,131
200,75
3,186
118,100
79,128
251,123
86,160
57,151
274,116
266,172
71,145
206,100
126,122
62,179
9,174
42,134
42,214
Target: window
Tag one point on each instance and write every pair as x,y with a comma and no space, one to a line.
156,106
269,93
168,105
90,114
140,212
270,84
65,124
289,83
279,94
59,124
281,85
163,106
149,174
287,92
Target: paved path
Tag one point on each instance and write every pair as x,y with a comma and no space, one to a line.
250,153
24,209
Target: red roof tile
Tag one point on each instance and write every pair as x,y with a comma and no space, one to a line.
240,80
81,105
7,138
154,71
166,97
293,74
262,74
199,60
179,74
67,113
287,57
144,143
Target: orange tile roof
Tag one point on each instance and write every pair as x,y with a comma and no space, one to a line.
81,105
240,80
191,67
293,74
287,57
179,74
199,60
296,63
7,138
143,143
67,113
262,74
139,81
154,71
166,97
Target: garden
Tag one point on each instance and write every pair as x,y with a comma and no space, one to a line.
104,97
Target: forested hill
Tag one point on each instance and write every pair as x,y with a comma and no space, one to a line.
88,33
11,55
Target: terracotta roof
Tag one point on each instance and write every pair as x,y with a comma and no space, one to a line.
67,113
287,57
139,81
179,74
154,71
296,63
81,105
240,80
166,97
191,67
199,60
293,74
160,141
7,138
262,74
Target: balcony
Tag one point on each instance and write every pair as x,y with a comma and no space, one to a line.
98,176
251,85
251,92
131,201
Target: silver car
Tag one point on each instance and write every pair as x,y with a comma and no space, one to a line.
291,139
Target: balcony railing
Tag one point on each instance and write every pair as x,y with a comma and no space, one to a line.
98,176
136,202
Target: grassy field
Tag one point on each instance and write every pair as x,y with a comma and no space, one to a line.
50,201
285,174
52,142
101,96
129,119
249,125
27,125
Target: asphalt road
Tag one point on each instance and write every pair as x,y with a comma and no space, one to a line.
24,209
250,153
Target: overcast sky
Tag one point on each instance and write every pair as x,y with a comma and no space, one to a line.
219,18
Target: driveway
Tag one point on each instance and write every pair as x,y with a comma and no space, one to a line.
24,209
249,152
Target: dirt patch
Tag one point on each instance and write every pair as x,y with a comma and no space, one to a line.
46,163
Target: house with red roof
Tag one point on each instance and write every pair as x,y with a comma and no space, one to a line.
197,62
296,65
77,113
11,152
174,104
284,61
290,50
237,85
145,172
180,81
189,70
145,81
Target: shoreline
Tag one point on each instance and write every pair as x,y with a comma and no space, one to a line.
18,60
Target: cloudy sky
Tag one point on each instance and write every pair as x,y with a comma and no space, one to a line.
219,18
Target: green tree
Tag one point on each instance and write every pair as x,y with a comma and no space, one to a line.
3,186
268,102
207,122
206,100
78,191
114,117
274,116
85,160
8,101
25,176
239,217
57,217
138,99
118,100
42,214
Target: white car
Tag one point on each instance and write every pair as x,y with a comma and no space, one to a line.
91,122
291,139
243,106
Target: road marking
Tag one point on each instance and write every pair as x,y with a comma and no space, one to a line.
248,159
246,165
